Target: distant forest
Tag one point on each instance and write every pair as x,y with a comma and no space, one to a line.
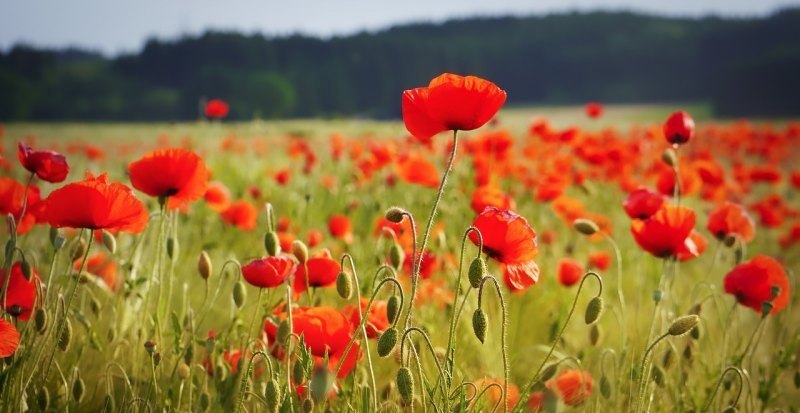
742,66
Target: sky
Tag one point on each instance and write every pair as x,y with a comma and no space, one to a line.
118,26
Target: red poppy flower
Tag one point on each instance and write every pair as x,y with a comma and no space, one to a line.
47,165
642,203
415,169
216,109
95,204
268,272
314,238
9,339
322,272
177,174
696,245
575,386
21,293
569,272
377,318
509,239
731,219
600,260
242,214
679,128
593,110
494,394
450,102
217,196
752,283
488,195
340,227
665,233
426,268
12,194
104,267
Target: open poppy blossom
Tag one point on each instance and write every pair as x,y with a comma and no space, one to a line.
415,169
49,166
103,267
508,239
450,102
731,219
666,232
12,194
574,386
679,128
178,175
322,272
377,318
340,227
217,196
216,109
9,339
642,203
241,214
755,281
94,203
426,268
569,272
600,260
488,195
268,272
21,294
696,245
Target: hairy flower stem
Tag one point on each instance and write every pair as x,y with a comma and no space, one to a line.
644,372
739,375
361,316
502,333
244,388
620,295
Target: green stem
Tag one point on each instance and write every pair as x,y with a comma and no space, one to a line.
644,376
502,336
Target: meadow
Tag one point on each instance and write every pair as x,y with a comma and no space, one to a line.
285,278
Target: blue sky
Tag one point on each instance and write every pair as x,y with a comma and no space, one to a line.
113,26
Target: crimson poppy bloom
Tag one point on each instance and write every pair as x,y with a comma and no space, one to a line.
426,268
268,272
450,102
103,267
12,194
176,174
593,110
508,239
94,203
21,294
569,272
217,196
241,214
47,165
9,339
216,109
642,203
731,219
665,233
340,227
679,128
322,272
574,386
753,283
377,318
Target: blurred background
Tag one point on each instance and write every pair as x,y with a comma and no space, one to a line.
152,60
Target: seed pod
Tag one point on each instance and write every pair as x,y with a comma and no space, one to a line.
405,384
272,396
344,285
204,266
657,375
300,251
593,310
239,294
396,256
605,387
272,244
395,214
477,270
585,226
387,341
43,398
78,389
298,373
183,371
683,324
205,401
321,383
669,157
40,320
78,249
393,309
594,334
308,405
109,241
548,373
25,266
480,324
66,336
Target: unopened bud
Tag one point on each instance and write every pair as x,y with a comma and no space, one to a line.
78,389
344,285
239,294
79,249
321,383
593,310
594,335
205,401
480,324
683,324
43,398
272,396
283,331
109,241
66,336
605,387
405,384
396,256
183,371
668,356
298,373
585,226
204,266
272,244
548,373
56,239
395,214
657,375
27,271
40,320
308,405
477,270
387,341
393,309
300,251
670,157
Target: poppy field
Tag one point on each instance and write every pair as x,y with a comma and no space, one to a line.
471,258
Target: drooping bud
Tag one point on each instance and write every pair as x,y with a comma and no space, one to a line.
183,371
239,294
188,355
43,398
272,244
666,361
109,405
766,308
78,249
594,334
387,341
657,375
109,241
56,239
205,401
585,226
669,157
272,396
344,285
204,266
95,306
477,270
393,309
40,320
695,333
308,405
66,336
548,373
300,251
395,214
78,389
405,384
396,256
480,324
593,310
605,387
298,373
321,383
25,266
683,324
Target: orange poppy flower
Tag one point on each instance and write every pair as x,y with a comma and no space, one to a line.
450,102
217,196
314,238
216,109
679,128
600,260
340,227
696,246
731,219
322,272
9,339
12,194
664,234
508,239
47,165
494,395
377,318
753,282
415,169
21,294
569,272
94,203
488,195
103,267
176,174
574,386
642,203
241,214
268,272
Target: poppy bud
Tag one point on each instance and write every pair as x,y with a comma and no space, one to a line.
56,239
298,373
548,373
204,266
321,383
797,379
205,401
272,396
78,249
387,341
479,324
172,245
25,266
669,157
150,346
658,295
774,291
683,324
594,335
308,405
393,309
66,336
585,226
687,352
695,333
667,360
78,389
272,244
10,245
109,241
405,384
43,398
156,359
95,306
593,310
395,214
344,285
239,294
283,331
109,405
766,308
40,320
183,371
111,334
605,387
730,240
189,354
477,270
657,375
300,251
396,256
